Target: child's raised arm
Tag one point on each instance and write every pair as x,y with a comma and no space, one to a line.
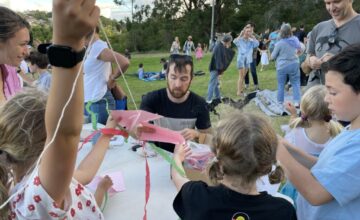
72,20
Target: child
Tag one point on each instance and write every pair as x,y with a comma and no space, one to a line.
242,155
313,130
264,57
51,190
141,71
330,189
199,52
38,64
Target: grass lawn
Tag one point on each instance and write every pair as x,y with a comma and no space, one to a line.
267,80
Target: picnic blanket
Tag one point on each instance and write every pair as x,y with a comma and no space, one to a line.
267,102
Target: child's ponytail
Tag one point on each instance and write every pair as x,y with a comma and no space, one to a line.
214,172
276,175
300,122
334,128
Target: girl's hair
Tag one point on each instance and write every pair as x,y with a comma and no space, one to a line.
314,108
285,31
22,135
244,146
263,47
10,23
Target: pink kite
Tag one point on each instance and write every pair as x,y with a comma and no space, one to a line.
130,118
161,135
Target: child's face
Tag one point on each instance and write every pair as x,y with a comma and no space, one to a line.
343,101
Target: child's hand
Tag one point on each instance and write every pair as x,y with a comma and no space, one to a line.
136,132
111,123
290,108
72,20
181,151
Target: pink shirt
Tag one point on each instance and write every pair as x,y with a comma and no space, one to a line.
10,79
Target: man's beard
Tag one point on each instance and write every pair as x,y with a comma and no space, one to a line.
177,93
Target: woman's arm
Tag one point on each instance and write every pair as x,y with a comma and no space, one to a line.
72,20
275,53
107,55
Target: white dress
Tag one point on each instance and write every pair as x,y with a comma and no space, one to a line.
264,58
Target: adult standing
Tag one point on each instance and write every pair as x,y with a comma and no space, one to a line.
175,46
301,34
273,38
287,63
14,40
245,43
329,37
253,65
220,60
188,46
183,110
98,73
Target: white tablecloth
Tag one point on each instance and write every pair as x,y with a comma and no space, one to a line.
129,204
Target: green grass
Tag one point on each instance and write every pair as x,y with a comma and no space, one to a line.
267,80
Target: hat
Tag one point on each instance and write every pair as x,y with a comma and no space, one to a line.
227,38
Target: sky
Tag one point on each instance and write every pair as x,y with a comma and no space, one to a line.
108,8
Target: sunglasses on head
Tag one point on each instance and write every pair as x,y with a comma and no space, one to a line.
187,58
332,37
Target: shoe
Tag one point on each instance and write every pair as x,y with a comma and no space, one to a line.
256,88
296,105
246,86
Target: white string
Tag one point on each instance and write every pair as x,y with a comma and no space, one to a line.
35,166
55,132
117,63
119,67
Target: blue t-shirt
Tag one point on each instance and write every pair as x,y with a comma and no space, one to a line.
44,81
338,171
273,37
245,48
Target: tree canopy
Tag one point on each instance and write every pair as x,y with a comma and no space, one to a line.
153,27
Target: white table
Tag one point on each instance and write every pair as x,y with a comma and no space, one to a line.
129,204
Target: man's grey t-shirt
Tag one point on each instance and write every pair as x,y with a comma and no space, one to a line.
327,38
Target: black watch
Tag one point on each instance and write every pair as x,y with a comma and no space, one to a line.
62,56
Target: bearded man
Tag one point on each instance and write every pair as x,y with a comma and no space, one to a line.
183,110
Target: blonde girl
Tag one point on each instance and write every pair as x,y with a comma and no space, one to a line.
313,130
